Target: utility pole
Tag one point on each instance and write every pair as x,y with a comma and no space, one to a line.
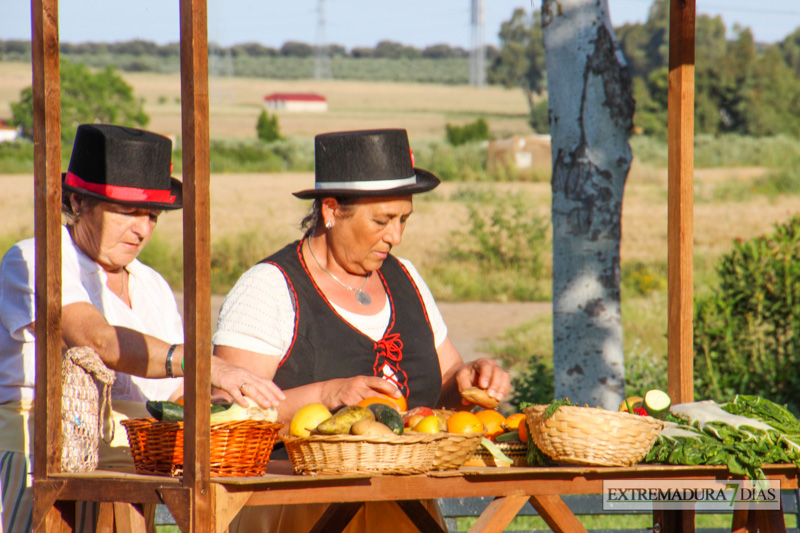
322,55
477,55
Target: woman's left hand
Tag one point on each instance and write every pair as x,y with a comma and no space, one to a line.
485,374
239,383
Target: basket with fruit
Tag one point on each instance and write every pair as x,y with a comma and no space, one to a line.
366,438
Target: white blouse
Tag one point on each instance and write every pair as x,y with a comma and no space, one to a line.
153,311
258,315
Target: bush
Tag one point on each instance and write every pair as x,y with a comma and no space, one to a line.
474,131
499,257
747,332
539,118
267,127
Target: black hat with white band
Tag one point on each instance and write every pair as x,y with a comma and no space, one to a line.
367,163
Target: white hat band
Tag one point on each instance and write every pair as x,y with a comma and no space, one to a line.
375,185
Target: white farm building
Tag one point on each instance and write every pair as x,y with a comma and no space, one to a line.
8,133
299,102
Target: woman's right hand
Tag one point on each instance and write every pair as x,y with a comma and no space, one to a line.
241,384
350,391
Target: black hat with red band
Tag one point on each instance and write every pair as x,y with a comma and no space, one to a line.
123,166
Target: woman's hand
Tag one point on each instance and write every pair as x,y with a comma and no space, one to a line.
350,391
239,383
485,374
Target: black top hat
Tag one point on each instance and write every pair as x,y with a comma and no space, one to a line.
367,163
124,166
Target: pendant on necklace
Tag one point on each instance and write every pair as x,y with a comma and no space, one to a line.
363,298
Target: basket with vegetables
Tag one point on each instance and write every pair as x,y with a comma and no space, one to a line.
241,439
571,434
357,439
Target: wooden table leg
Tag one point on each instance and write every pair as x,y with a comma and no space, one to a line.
420,516
129,518
556,514
336,517
674,520
756,520
499,514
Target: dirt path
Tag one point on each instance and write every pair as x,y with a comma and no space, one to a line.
469,324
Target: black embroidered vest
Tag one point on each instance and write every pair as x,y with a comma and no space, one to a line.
325,346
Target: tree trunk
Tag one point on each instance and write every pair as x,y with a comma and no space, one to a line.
591,114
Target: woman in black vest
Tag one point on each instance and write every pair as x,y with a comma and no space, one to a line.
335,318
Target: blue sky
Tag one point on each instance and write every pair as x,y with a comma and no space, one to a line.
348,22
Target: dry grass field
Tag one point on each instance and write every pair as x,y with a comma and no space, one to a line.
235,103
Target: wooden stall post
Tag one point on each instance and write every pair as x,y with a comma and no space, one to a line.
196,258
680,135
47,231
680,231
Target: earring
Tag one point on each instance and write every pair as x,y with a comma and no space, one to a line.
328,225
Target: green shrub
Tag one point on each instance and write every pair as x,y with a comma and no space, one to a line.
539,118
267,127
504,233
747,332
499,257
643,279
474,131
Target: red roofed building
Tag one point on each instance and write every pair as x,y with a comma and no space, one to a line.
302,102
8,132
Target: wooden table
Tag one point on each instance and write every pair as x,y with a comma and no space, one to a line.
511,488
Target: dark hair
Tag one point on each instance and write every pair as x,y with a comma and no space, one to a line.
312,219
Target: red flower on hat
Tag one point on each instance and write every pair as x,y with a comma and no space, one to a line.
411,153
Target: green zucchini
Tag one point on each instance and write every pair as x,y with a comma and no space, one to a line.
172,411
388,416
657,403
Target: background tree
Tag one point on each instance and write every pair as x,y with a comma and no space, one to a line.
267,127
591,109
520,61
86,96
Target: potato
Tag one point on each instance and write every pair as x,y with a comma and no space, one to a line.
479,397
370,428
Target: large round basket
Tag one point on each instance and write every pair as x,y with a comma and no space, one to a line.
342,454
592,436
238,448
454,449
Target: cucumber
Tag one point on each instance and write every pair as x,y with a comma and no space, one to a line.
657,403
388,416
508,436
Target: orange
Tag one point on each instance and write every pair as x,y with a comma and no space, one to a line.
464,422
492,421
513,421
523,432
398,403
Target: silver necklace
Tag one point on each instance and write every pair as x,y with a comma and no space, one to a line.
361,297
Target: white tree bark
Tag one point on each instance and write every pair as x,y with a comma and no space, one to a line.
591,113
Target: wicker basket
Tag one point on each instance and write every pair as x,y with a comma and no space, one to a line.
238,449
516,451
343,454
592,436
454,449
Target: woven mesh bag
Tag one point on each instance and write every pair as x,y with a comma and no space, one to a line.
83,373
